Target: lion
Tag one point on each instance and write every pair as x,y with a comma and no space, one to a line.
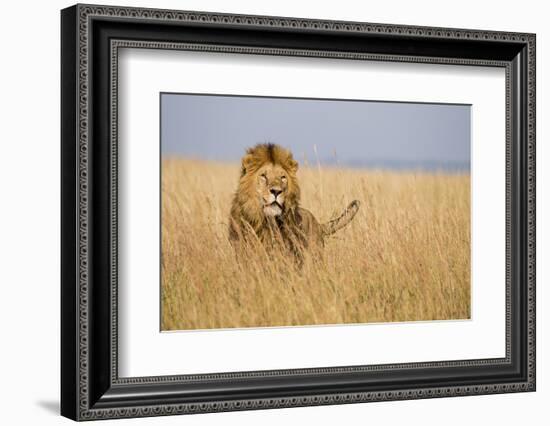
266,206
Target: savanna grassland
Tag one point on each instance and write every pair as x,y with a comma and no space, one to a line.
405,256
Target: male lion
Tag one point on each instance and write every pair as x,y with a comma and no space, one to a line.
266,207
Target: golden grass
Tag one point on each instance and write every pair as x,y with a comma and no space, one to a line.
405,256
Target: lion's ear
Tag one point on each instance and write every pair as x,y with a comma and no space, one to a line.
247,163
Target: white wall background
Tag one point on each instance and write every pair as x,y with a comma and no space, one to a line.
29,211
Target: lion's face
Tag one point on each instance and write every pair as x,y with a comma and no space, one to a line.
272,188
268,186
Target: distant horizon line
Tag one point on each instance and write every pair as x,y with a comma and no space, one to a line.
374,164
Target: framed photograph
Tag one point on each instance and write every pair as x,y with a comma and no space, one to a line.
263,212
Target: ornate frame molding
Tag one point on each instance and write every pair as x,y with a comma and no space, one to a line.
82,16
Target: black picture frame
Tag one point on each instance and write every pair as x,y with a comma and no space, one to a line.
90,386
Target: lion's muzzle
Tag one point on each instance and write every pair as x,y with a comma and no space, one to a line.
274,205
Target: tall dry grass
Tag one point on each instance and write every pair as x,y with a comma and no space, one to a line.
405,256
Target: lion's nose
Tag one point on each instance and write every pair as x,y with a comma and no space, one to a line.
275,191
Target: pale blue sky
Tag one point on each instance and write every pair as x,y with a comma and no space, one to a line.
353,133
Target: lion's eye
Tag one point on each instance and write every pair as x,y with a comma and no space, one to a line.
263,177
283,177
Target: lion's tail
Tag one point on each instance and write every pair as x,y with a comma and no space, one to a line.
336,224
